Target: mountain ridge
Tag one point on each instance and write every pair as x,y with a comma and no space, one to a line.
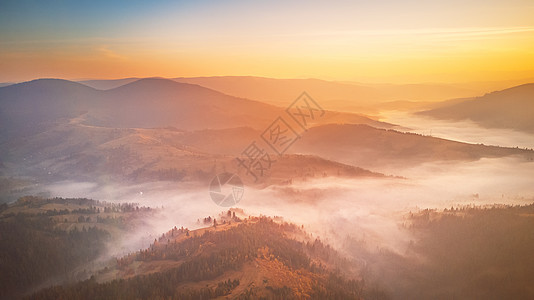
145,103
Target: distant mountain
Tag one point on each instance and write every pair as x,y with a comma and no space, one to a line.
30,107
149,103
333,95
347,96
510,108
145,103
284,91
378,149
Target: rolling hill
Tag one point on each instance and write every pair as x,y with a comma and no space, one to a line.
81,152
374,148
355,144
511,108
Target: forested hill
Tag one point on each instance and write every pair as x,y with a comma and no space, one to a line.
242,259
53,241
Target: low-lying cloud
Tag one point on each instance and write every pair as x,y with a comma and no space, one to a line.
367,209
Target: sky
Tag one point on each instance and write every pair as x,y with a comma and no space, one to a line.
367,41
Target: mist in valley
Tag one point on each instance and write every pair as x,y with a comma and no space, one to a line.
462,131
367,208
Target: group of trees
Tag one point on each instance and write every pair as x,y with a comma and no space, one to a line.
141,287
465,252
89,206
33,250
34,201
225,217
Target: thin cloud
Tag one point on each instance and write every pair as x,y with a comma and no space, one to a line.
108,53
439,32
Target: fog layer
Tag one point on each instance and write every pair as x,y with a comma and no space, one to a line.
462,131
334,208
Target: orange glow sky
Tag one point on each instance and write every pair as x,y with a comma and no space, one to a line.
382,41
